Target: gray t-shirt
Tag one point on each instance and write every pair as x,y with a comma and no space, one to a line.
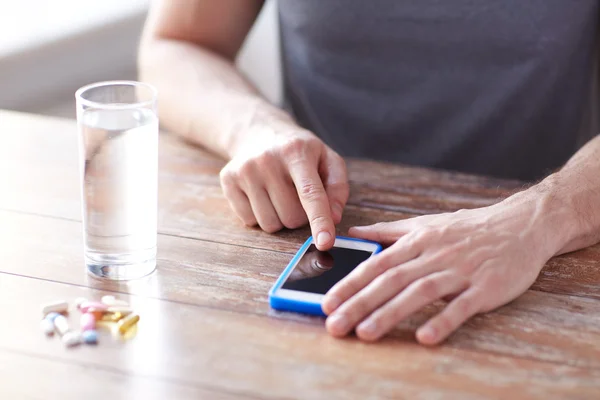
489,87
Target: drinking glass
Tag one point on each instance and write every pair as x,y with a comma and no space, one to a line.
118,153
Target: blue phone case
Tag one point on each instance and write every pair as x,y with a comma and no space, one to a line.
285,304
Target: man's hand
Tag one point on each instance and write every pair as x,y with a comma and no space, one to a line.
279,174
477,259
287,179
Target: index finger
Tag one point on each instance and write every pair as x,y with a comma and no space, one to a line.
315,202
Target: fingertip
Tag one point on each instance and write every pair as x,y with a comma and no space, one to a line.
330,304
324,240
337,325
367,331
428,336
250,223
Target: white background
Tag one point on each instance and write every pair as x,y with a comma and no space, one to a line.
50,48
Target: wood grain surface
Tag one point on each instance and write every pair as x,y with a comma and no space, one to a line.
206,330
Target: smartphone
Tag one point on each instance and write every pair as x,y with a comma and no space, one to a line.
311,273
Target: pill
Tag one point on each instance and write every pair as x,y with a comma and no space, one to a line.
50,317
112,317
113,301
79,301
71,339
87,322
88,306
61,325
124,311
128,322
58,306
97,314
90,337
47,327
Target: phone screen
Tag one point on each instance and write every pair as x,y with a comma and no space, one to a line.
317,271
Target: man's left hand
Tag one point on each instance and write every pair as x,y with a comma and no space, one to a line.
480,259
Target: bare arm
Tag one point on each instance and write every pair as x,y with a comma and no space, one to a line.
576,188
188,51
278,175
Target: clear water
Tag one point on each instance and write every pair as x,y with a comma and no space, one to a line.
119,150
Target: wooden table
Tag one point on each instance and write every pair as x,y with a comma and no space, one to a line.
206,330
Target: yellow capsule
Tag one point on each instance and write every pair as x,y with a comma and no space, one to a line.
128,322
130,334
112,316
124,311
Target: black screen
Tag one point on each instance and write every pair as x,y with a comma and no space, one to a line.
317,271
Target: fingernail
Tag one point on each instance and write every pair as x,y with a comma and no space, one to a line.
323,238
368,328
338,323
427,334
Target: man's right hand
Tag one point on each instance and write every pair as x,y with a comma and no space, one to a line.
287,179
280,175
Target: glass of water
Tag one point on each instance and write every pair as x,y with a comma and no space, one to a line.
118,153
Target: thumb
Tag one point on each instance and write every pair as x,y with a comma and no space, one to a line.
335,179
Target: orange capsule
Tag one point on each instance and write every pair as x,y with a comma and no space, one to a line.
97,314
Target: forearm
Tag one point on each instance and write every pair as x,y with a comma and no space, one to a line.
566,205
577,186
203,97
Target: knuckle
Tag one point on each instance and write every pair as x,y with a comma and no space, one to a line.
384,261
227,176
427,235
294,221
396,277
446,255
265,160
468,241
247,168
319,221
467,266
311,190
428,288
294,147
415,238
